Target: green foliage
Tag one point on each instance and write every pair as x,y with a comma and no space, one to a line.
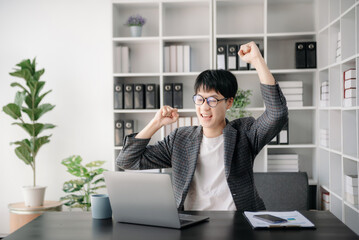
240,102
26,109
87,182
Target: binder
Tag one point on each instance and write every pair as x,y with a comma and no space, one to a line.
168,94
125,59
151,96
221,57
129,127
242,65
311,54
186,58
232,57
178,95
118,95
300,55
119,131
179,58
167,59
128,97
284,135
173,58
117,57
139,96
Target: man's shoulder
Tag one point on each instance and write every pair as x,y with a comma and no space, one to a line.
241,123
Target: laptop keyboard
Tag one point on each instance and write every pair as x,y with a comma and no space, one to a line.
185,218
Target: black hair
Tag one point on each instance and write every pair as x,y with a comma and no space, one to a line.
221,81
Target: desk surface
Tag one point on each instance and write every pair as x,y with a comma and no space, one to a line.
222,225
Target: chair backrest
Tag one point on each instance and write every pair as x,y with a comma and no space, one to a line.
283,191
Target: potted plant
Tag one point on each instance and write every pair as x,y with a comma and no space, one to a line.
240,102
27,110
80,189
135,23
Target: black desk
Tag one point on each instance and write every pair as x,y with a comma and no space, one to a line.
222,225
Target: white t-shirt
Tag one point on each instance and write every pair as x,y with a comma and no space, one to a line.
209,189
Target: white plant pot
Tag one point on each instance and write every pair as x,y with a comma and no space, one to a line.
136,31
34,196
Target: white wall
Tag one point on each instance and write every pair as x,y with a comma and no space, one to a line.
72,41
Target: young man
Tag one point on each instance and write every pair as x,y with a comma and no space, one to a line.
212,164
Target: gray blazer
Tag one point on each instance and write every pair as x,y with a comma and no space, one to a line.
243,140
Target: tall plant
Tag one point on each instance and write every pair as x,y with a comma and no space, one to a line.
27,109
87,182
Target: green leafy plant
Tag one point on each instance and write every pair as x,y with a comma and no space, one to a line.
86,184
240,102
27,110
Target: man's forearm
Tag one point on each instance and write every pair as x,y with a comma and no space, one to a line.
265,76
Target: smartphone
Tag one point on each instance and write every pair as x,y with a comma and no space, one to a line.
270,218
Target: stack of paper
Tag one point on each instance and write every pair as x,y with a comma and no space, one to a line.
177,58
350,88
351,189
283,163
324,94
293,92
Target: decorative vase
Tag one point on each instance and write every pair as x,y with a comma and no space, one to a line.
136,31
34,196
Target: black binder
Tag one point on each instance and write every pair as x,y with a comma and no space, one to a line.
300,55
119,131
139,96
129,128
178,95
168,94
232,57
221,57
128,98
311,54
118,95
151,96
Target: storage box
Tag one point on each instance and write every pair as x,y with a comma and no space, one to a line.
350,73
351,180
350,93
350,83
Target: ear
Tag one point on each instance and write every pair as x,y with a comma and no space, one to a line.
229,103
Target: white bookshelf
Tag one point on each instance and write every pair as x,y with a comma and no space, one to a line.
341,156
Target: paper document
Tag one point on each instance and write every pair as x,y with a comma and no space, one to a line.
294,218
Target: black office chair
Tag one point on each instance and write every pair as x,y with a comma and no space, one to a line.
283,191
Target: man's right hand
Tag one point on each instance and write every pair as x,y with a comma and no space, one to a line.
166,115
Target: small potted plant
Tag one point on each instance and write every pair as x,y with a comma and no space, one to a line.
27,109
135,23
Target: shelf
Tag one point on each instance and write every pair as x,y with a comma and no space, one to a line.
291,35
135,110
136,74
135,39
169,74
186,38
248,36
286,71
302,108
292,146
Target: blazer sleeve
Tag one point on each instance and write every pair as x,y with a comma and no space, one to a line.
270,123
137,154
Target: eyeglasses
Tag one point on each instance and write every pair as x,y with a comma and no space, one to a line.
211,101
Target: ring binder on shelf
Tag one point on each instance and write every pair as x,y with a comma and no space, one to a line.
128,98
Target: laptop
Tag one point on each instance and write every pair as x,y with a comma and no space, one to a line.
146,198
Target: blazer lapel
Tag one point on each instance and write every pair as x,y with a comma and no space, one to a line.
230,136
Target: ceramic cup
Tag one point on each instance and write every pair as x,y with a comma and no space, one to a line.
100,206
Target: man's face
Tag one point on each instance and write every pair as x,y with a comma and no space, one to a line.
212,117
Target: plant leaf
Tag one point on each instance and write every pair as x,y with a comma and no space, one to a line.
38,99
15,84
38,74
34,129
42,109
98,181
24,154
12,110
73,186
25,143
19,98
98,187
39,142
74,166
26,64
95,164
23,73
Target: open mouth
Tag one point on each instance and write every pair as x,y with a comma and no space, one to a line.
206,116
